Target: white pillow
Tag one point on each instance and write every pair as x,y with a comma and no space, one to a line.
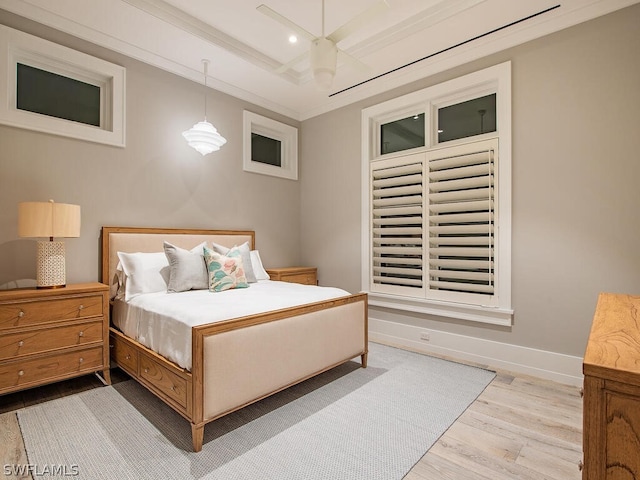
258,269
187,268
146,273
246,258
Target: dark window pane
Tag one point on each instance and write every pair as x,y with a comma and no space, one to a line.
402,134
266,150
57,96
466,119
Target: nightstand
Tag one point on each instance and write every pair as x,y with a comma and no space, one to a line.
47,335
304,275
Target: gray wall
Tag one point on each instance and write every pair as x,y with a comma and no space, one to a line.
576,189
157,180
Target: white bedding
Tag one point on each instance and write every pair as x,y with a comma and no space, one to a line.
162,321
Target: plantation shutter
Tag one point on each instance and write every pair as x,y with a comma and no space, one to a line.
397,208
461,221
433,220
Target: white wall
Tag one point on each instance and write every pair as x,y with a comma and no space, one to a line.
576,104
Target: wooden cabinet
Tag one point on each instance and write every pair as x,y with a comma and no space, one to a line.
47,335
304,275
611,430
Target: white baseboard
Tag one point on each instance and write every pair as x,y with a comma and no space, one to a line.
558,367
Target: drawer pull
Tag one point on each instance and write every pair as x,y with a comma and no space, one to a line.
81,333
80,307
173,388
20,314
21,373
128,357
20,343
80,360
146,370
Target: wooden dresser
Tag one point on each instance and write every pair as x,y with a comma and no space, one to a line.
305,275
611,435
47,335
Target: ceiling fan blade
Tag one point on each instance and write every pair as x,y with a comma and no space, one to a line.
353,61
358,21
284,21
286,66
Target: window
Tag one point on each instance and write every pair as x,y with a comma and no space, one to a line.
266,150
467,119
403,134
57,90
436,220
58,96
270,147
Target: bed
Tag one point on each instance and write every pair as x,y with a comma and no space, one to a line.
229,363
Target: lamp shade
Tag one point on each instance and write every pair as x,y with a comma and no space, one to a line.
204,138
48,219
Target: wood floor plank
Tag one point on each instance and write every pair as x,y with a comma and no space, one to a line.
571,452
12,452
434,467
529,419
545,462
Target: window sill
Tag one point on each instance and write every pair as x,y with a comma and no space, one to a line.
473,313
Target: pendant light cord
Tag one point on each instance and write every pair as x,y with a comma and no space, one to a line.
206,68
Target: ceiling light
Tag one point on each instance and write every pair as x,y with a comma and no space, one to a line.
203,136
293,39
323,59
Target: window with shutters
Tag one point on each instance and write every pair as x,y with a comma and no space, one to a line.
436,221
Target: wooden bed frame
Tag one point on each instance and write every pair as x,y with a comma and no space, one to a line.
240,361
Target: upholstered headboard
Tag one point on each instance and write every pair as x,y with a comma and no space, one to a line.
145,239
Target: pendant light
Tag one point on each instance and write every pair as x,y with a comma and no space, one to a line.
203,136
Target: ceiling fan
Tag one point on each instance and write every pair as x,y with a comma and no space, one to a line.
323,52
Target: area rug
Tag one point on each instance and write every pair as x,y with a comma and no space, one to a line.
347,424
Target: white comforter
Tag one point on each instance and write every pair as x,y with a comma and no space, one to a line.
162,321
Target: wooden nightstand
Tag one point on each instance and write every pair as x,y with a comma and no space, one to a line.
304,275
47,335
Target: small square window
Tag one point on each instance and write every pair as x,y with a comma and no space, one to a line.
269,147
466,119
403,134
266,150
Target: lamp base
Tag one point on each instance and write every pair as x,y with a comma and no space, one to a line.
51,265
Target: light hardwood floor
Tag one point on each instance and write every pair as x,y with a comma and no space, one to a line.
518,428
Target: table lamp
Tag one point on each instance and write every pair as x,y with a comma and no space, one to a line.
49,219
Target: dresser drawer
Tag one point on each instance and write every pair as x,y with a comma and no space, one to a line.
43,340
167,382
30,313
35,371
304,278
124,355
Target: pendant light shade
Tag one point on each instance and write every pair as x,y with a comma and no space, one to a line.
203,136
